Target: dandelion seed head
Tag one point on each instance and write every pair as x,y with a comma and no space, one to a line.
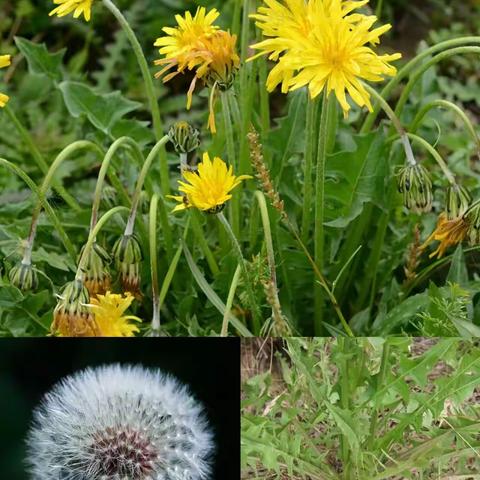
119,423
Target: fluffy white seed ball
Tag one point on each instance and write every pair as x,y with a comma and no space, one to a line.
119,423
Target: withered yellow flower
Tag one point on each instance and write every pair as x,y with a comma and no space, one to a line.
198,45
322,44
109,313
448,233
209,188
78,7
5,61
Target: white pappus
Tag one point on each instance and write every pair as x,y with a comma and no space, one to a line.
119,423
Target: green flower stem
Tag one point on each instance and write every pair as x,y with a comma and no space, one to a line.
408,68
309,155
280,323
37,156
141,180
255,310
152,235
125,142
396,123
419,73
46,206
149,89
64,155
228,305
449,106
232,159
172,268
446,171
319,207
91,240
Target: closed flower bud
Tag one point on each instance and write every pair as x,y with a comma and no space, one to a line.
416,186
72,316
457,201
128,257
184,137
472,217
97,279
24,277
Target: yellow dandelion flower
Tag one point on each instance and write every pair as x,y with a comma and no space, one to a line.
78,7
5,61
109,310
198,45
322,44
448,233
209,188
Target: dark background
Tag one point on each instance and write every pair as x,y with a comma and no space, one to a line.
30,367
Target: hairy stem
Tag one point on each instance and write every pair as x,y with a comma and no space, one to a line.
149,90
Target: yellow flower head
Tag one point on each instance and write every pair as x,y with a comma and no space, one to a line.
109,315
448,233
78,7
209,188
322,44
198,45
5,61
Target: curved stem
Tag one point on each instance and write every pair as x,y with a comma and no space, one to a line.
149,89
46,184
121,142
231,296
450,106
441,162
152,235
91,239
406,69
319,235
396,123
418,73
37,156
246,277
141,180
48,209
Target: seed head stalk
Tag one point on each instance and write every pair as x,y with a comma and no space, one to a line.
149,89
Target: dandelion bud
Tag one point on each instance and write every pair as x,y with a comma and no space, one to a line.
184,137
97,279
128,256
416,186
72,316
120,422
457,201
472,217
24,277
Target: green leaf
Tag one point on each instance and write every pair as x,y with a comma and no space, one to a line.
458,270
354,178
40,60
103,111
